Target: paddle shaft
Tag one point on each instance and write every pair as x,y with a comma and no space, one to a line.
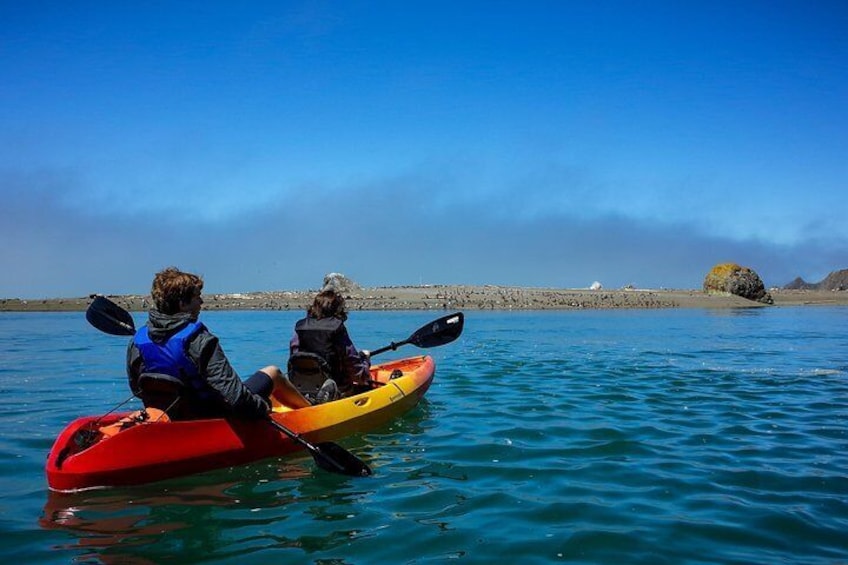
391,347
295,436
317,453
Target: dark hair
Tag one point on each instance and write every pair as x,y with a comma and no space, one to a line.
171,287
328,304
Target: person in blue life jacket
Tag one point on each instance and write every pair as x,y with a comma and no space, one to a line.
176,365
323,332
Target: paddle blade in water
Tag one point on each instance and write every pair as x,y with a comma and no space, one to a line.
108,317
336,459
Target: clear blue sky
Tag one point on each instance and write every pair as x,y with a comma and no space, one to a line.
264,144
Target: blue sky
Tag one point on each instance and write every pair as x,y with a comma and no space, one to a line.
553,144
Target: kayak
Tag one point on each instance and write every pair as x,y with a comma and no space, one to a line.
132,448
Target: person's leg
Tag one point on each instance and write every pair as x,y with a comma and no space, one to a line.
262,382
282,389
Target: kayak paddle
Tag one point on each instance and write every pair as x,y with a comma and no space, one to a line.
438,332
110,318
328,455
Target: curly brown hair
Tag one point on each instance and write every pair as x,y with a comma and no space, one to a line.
328,304
171,287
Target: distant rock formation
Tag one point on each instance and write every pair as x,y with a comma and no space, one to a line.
837,280
734,279
339,283
799,284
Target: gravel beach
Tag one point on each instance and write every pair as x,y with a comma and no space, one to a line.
458,297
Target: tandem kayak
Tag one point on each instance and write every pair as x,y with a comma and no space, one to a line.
125,449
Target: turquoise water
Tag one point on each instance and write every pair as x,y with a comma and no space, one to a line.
678,436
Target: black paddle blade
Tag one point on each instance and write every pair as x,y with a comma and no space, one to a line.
439,332
328,456
336,459
108,317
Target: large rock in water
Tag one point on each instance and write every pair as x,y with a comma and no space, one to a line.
734,279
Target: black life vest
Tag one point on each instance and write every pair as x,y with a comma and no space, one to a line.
320,337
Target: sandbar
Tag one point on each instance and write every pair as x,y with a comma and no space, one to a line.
459,297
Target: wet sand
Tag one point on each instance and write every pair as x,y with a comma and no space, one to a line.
459,297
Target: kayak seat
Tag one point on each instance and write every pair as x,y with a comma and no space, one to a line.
163,392
308,372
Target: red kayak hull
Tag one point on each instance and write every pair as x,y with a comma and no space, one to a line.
156,450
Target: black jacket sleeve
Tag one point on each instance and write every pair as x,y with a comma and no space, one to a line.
133,367
214,366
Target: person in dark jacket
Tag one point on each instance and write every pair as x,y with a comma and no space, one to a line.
323,332
175,364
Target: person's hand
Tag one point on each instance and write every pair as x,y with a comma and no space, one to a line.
365,353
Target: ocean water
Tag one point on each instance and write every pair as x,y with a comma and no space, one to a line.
657,436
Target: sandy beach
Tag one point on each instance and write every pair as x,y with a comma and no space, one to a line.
459,297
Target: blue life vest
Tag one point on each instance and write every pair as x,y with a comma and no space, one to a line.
170,358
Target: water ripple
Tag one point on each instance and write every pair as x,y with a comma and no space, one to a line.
593,437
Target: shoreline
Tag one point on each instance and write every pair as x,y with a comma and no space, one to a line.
458,297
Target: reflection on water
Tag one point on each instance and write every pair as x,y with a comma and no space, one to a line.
199,515
131,525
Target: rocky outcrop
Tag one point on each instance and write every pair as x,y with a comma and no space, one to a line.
734,279
837,280
339,283
799,284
